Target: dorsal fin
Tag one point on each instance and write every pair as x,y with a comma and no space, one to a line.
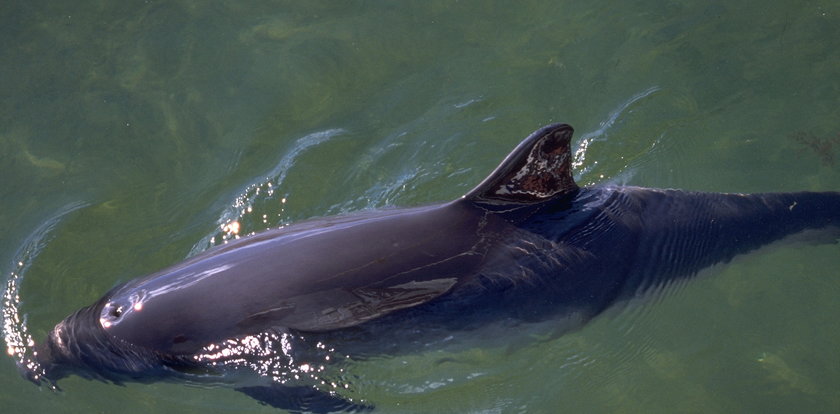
538,169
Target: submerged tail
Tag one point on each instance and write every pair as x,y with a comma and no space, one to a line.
686,232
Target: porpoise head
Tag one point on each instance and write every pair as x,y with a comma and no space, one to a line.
81,344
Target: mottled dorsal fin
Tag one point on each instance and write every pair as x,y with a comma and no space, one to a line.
538,169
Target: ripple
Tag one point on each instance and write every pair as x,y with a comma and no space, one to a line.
19,342
600,134
238,218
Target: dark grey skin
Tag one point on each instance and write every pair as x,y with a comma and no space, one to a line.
527,245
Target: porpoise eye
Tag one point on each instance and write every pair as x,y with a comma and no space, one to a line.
116,311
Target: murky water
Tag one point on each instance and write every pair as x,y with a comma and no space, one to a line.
132,134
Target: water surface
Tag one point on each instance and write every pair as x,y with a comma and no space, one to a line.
132,133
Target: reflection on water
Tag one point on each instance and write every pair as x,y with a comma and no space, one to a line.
282,358
580,165
251,210
19,343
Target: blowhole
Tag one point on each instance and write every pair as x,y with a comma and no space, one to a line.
114,311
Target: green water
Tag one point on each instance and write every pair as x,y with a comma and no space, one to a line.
156,117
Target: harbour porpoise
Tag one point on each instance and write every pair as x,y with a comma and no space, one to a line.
263,314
